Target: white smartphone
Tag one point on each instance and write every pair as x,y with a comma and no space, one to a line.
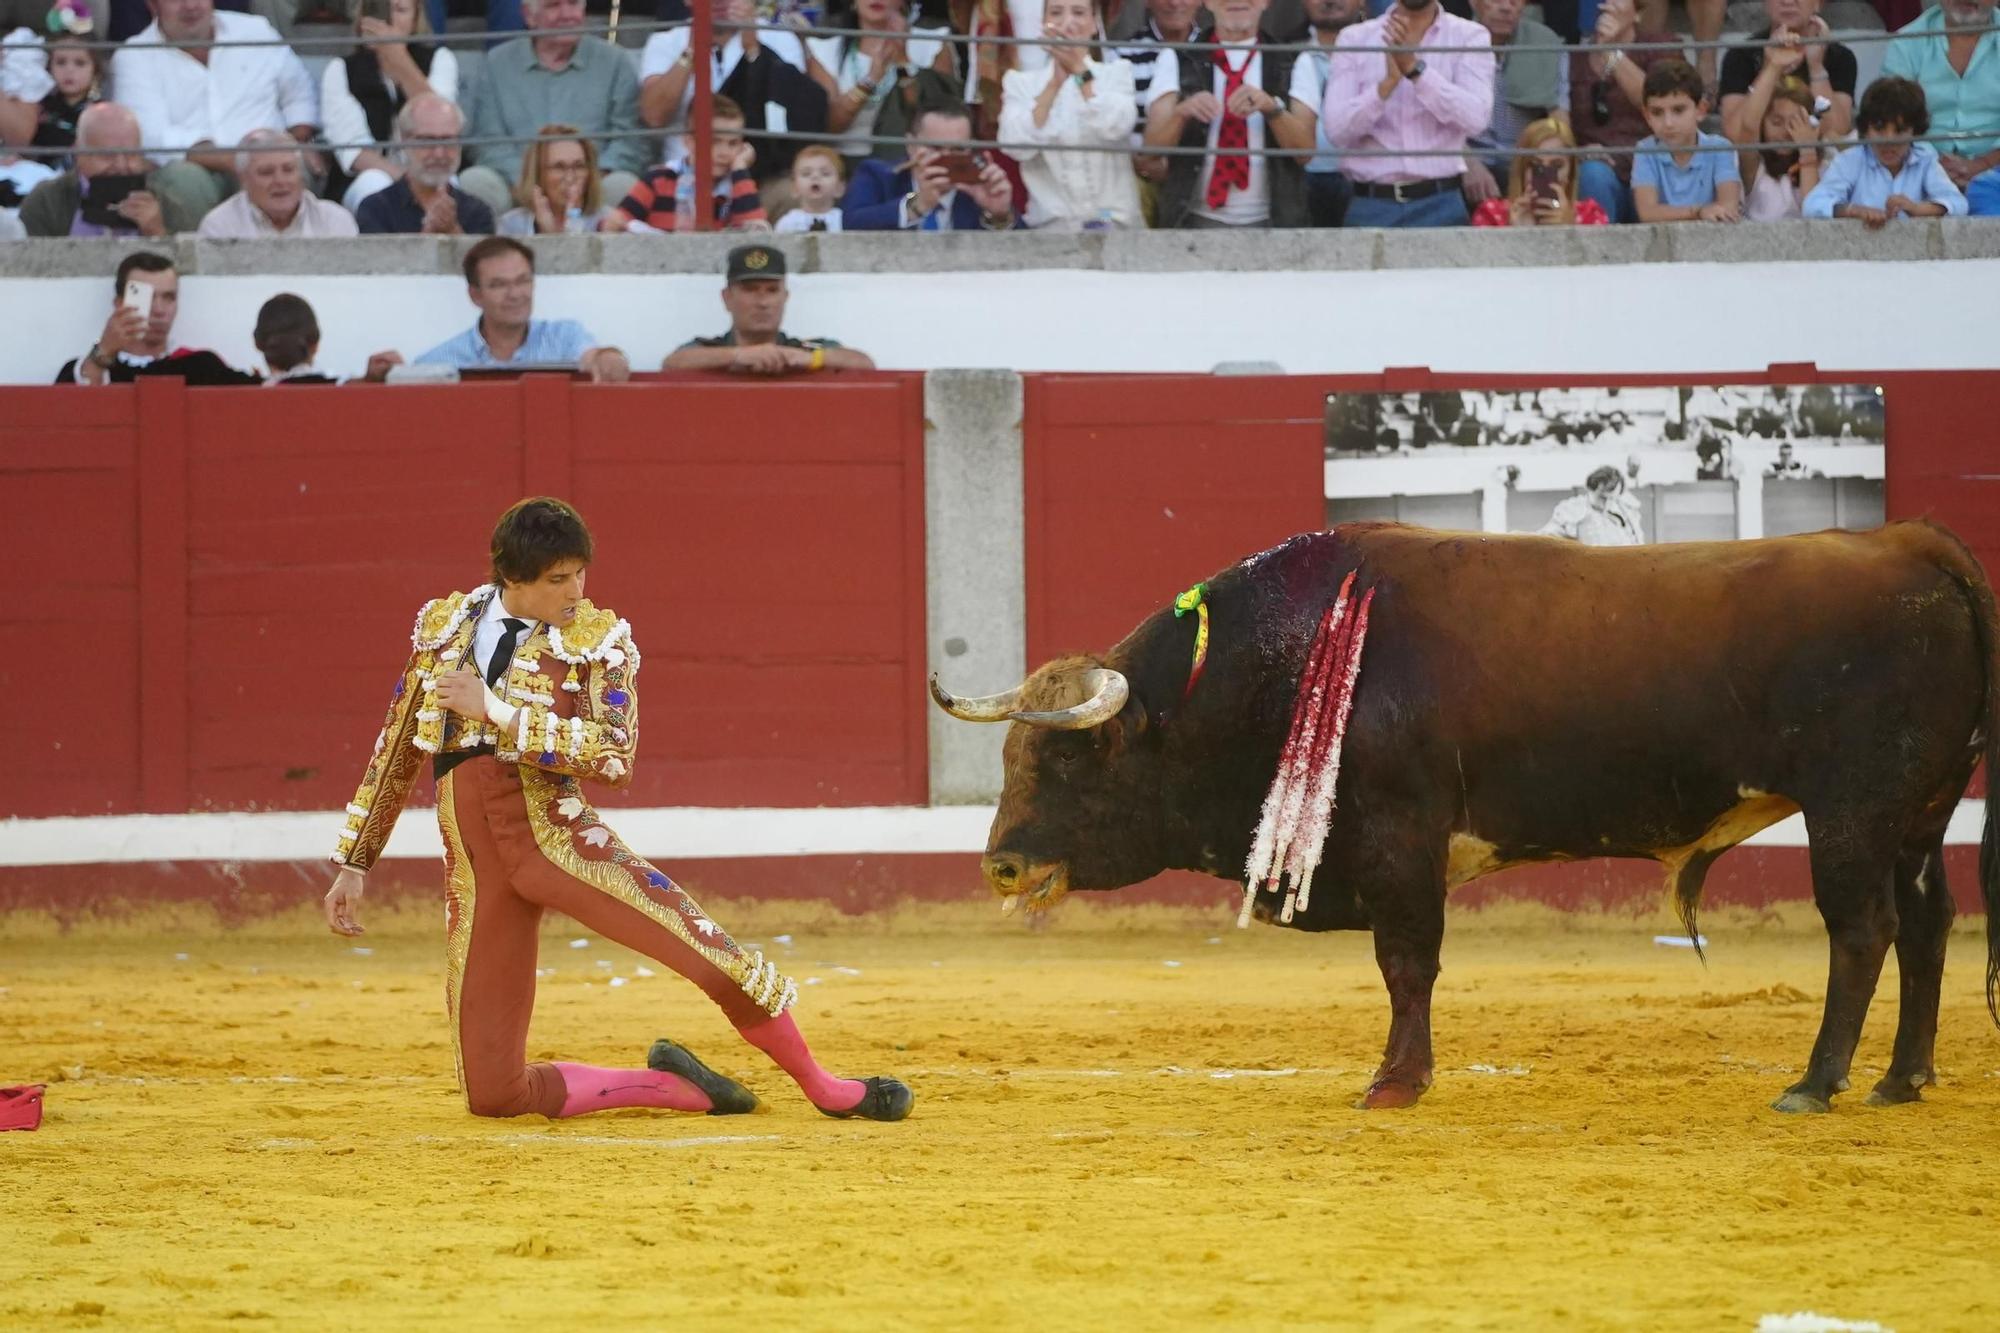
139,297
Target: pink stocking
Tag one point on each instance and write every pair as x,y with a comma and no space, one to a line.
781,1039
588,1088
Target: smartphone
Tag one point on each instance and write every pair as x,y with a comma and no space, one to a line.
106,193
963,166
139,297
1545,182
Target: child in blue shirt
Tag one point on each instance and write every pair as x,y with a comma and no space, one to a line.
1671,180
1886,176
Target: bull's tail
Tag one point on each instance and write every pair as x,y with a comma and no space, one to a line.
1963,567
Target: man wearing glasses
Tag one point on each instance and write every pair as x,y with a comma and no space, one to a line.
500,279
424,199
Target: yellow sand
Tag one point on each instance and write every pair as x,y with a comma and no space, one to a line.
1131,1119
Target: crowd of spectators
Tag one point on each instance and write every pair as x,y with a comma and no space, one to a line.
204,119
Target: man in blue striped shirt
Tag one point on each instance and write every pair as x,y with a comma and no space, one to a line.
500,279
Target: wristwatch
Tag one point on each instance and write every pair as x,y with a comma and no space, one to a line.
1416,71
97,358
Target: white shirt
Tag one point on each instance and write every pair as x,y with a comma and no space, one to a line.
486,635
1070,189
664,48
1245,207
346,122
181,102
800,220
237,219
849,67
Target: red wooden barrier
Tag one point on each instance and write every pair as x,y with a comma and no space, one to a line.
227,578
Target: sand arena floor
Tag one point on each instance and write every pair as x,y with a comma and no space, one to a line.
1136,1117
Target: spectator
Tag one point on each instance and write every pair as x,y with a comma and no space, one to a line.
534,81
881,81
1532,83
198,103
1681,174
1780,179
1799,47
1327,190
110,192
1885,176
79,85
1606,514
754,293
1076,98
1608,103
1957,63
500,280
423,199
24,74
1240,96
937,190
1541,191
816,186
137,335
361,93
560,190
287,334
1400,102
663,198
1787,468
754,67
1166,21
274,200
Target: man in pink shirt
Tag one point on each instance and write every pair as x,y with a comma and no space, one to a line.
1415,107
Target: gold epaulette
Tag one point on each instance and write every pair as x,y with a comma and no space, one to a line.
439,619
596,634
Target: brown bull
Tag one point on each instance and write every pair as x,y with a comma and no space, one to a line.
1523,699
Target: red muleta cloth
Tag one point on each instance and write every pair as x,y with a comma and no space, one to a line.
21,1108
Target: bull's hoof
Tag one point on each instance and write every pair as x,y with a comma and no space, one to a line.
1802,1103
1899,1089
1385,1095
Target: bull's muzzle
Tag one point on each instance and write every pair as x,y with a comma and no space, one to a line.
1018,880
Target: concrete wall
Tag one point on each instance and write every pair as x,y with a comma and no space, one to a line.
1586,300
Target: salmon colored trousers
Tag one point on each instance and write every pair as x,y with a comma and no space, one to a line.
520,841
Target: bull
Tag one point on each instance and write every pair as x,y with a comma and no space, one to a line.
1525,699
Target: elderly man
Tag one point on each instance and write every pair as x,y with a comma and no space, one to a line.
424,199
1957,63
196,102
754,294
274,200
500,280
112,192
1240,96
534,81
1532,82
1420,110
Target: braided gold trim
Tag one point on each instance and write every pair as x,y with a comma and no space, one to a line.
460,894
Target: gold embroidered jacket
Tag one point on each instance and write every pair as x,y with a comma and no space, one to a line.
575,689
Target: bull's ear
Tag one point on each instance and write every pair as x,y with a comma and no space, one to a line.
1128,727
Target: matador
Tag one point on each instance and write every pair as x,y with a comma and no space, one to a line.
517,693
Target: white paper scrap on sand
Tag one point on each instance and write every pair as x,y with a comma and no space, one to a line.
1681,941
1805,1321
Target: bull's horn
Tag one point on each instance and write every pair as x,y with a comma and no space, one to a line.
1108,692
992,708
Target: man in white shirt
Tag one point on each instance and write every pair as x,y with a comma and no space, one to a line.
1251,98
274,200
197,102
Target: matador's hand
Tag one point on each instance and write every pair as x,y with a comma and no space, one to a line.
343,900
463,692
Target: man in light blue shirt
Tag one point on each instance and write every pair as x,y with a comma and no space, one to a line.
1958,66
1885,176
500,279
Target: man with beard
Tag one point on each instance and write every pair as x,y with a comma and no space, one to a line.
424,199
1327,190
1420,109
1957,63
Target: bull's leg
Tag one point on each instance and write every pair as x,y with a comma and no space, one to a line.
1923,921
1409,927
1852,888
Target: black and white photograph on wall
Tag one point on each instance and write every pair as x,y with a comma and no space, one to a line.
1611,466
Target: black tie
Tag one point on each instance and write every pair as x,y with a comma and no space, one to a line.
505,652
819,224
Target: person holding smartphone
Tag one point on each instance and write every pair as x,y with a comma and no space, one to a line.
1541,190
112,190
137,338
937,189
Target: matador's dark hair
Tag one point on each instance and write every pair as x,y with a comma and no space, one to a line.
535,534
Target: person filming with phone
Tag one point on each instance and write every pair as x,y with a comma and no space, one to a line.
137,337
113,190
1541,190
937,189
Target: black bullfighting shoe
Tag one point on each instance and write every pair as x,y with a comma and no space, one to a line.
725,1095
885,1099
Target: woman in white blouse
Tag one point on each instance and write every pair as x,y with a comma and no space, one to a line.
361,94
860,74
1078,98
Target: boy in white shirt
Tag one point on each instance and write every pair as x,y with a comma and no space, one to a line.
817,182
